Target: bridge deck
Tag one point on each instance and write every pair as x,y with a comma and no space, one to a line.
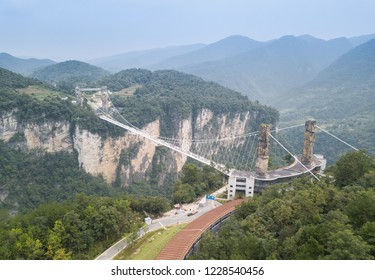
291,171
179,246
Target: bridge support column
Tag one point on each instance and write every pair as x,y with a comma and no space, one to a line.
308,144
261,166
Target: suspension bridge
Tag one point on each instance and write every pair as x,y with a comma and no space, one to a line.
244,158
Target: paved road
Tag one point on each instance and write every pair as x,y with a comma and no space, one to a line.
182,217
173,219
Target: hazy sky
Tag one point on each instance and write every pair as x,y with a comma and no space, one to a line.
84,29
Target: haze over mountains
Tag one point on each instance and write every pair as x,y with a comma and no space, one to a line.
349,81
142,59
342,96
22,66
264,71
219,50
261,70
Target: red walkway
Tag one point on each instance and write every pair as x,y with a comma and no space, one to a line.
178,247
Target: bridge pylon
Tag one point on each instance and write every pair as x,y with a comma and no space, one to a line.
308,144
261,166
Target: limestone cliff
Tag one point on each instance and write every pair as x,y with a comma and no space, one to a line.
127,157
48,136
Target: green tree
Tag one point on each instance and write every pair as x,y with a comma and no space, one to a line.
344,245
361,208
351,167
183,193
54,246
367,232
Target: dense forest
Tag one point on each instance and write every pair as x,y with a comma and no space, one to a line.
32,178
304,219
74,229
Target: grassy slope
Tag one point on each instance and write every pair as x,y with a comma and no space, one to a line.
149,246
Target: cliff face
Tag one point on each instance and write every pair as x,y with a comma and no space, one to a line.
128,157
48,136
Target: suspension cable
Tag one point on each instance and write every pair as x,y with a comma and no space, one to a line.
293,156
288,127
354,148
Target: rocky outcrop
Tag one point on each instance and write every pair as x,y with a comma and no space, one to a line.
49,136
8,126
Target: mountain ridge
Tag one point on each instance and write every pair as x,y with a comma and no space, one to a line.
268,71
141,58
224,48
22,66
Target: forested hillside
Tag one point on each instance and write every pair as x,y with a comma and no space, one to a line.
304,219
11,80
29,179
69,74
172,95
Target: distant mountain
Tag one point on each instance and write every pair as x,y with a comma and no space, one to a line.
222,49
142,59
349,81
356,41
342,95
9,79
66,75
22,66
269,71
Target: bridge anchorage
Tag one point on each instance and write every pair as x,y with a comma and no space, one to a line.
103,99
250,182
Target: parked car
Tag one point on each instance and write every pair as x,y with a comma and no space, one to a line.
191,213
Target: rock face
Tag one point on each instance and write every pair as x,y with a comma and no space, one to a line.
128,157
308,144
261,166
8,126
48,136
